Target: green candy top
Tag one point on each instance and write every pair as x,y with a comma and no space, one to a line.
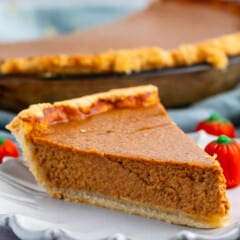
223,139
1,140
217,117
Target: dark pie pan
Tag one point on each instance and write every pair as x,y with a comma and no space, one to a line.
178,87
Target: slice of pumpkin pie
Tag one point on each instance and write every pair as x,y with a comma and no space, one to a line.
120,150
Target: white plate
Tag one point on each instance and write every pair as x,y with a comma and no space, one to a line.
28,210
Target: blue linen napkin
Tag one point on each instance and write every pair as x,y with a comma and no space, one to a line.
5,118
226,104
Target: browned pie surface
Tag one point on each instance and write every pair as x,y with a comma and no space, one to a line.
166,24
133,133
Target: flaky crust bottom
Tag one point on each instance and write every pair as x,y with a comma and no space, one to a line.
167,215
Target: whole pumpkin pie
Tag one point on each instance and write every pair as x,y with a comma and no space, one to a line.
166,34
120,150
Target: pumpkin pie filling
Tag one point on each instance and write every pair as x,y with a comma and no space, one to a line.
129,157
167,33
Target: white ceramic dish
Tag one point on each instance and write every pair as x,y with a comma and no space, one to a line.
28,210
